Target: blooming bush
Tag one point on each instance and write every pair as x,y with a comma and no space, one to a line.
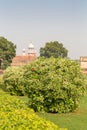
54,85
13,81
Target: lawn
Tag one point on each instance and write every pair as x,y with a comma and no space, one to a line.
73,121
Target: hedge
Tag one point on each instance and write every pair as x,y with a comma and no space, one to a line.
14,115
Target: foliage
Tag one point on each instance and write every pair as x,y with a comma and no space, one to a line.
8,103
7,52
54,84
2,83
14,115
54,49
73,121
85,81
13,81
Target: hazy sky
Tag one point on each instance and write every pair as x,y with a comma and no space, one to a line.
41,21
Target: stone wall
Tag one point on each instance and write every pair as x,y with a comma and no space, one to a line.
22,60
83,64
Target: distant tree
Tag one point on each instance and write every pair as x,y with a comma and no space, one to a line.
54,49
7,52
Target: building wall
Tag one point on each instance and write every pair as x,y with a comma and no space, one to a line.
25,58
22,60
83,64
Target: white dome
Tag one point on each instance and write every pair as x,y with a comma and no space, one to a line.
31,45
23,50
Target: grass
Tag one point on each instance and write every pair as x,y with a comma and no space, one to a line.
73,121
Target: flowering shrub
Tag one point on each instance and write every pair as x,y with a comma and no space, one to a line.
54,85
14,115
1,83
13,81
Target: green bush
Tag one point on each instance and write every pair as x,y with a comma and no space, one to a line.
1,83
13,81
14,115
54,85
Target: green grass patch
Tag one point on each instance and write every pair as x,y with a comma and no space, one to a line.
73,121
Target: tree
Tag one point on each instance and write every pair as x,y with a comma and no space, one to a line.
54,49
7,52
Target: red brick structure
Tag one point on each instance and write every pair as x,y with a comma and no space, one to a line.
25,58
83,64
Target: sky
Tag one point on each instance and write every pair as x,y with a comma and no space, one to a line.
41,21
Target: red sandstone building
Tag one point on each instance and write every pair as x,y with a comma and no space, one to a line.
26,57
83,64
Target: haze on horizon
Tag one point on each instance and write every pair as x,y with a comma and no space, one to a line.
41,21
